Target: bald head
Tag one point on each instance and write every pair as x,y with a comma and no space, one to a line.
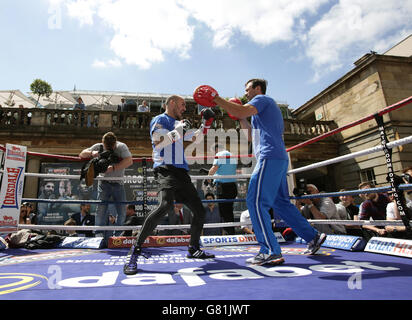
175,106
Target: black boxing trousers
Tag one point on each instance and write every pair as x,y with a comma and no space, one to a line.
174,185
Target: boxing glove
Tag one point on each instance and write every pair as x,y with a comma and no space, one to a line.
204,95
181,127
208,116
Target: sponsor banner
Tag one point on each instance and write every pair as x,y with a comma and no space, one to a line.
337,241
81,243
350,243
211,241
12,187
395,247
152,241
68,189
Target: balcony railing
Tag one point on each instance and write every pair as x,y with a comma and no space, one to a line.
44,119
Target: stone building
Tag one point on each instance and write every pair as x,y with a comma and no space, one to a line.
376,81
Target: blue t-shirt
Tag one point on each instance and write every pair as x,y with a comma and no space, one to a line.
267,127
173,154
226,166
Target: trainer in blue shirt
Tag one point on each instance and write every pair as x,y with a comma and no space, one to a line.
268,185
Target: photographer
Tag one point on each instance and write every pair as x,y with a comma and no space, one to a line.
114,156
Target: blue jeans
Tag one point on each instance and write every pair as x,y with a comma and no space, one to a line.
107,191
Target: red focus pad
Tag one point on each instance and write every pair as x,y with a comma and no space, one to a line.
234,100
204,95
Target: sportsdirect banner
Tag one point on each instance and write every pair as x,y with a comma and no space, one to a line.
211,241
12,187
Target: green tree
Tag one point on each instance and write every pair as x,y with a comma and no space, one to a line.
41,88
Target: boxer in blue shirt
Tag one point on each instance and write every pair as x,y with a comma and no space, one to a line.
268,185
167,132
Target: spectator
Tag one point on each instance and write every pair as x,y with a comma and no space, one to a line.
246,226
225,188
392,211
131,219
71,222
347,204
84,218
180,215
143,107
79,106
31,213
407,178
110,189
122,107
26,214
347,210
112,219
321,208
212,216
372,208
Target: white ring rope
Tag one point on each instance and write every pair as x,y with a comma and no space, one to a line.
397,223
352,155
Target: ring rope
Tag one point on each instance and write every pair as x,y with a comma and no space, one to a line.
390,145
309,196
207,225
352,155
388,109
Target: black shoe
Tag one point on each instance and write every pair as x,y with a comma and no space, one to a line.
130,267
197,253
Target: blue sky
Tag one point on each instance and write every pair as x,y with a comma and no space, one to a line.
172,46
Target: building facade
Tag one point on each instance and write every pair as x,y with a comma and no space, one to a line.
376,81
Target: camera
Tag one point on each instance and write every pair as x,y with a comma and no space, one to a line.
407,177
301,188
105,159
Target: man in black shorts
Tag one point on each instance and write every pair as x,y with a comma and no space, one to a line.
167,132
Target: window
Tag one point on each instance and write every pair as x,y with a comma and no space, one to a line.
367,175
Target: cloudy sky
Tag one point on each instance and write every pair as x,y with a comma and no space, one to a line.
172,46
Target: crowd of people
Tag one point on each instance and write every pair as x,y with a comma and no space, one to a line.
372,206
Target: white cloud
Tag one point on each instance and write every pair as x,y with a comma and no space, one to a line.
143,31
106,64
353,27
263,21
83,10
146,32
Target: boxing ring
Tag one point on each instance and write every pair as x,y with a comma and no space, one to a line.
345,268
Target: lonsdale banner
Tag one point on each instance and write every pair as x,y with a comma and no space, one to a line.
12,187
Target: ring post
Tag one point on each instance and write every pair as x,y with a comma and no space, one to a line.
400,201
